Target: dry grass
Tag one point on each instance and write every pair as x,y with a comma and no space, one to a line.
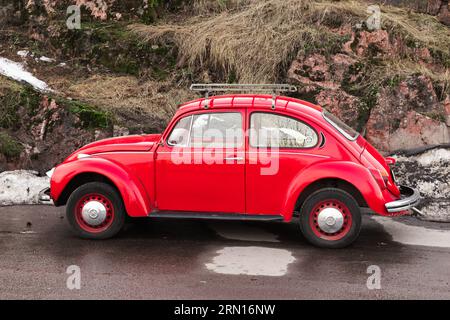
253,42
8,84
404,69
423,29
258,38
214,6
128,99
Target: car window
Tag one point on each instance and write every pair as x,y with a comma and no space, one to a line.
210,130
180,133
342,127
217,130
277,131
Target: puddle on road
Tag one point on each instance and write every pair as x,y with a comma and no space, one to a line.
256,261
243,232
412,235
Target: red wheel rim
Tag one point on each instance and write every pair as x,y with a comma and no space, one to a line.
335,204
109,213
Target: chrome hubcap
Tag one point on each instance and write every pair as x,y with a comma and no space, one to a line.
94,213
330,220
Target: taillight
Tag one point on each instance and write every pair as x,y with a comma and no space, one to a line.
381,176
390,161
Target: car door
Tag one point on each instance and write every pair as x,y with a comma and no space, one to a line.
280,146
200,166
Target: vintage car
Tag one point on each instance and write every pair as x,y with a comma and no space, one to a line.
284,158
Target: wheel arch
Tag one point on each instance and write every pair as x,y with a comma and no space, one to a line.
329,183
346,175
80,179
69,176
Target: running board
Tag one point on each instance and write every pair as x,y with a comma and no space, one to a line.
215,216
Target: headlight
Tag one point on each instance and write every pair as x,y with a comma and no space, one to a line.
50,172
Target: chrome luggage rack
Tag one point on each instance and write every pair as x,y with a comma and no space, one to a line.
208,88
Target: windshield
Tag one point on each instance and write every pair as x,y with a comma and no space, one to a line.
346,130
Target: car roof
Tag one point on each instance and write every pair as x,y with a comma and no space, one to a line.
250,101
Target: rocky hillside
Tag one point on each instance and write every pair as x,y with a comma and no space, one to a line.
131,62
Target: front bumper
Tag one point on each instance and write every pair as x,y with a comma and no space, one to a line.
409,198
44,197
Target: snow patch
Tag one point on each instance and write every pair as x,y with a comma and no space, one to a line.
412,235
46,59
16,71
434,157
437,211
23,53
256,261
243,232
21,187
429,172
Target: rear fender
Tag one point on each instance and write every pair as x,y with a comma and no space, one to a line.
350,172
134,195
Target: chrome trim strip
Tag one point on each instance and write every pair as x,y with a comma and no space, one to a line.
82,155
114,152
293,153
215,216
256,152
405,203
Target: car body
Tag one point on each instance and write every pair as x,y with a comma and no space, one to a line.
317,157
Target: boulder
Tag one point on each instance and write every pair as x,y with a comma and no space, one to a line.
444,14
416,130
408,116
447,110
375,43
315,71
343,105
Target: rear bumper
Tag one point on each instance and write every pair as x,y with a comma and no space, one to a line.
44,197
409,198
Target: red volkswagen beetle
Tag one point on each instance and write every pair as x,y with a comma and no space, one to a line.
239,157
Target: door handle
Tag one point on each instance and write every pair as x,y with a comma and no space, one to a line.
234,158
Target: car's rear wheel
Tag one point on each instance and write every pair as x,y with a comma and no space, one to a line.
330,218
95,211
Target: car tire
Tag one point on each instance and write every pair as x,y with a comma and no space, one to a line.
330,218
95,210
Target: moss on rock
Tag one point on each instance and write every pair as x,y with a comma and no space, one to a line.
9,147
90,117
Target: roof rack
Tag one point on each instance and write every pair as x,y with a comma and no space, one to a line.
214,87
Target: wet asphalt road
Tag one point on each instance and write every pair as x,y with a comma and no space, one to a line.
169,259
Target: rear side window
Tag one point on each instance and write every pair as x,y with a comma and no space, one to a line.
268,130
340,126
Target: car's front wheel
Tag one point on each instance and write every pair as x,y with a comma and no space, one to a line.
95,211
330,218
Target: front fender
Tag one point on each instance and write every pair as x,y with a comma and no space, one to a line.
133,193
355,174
